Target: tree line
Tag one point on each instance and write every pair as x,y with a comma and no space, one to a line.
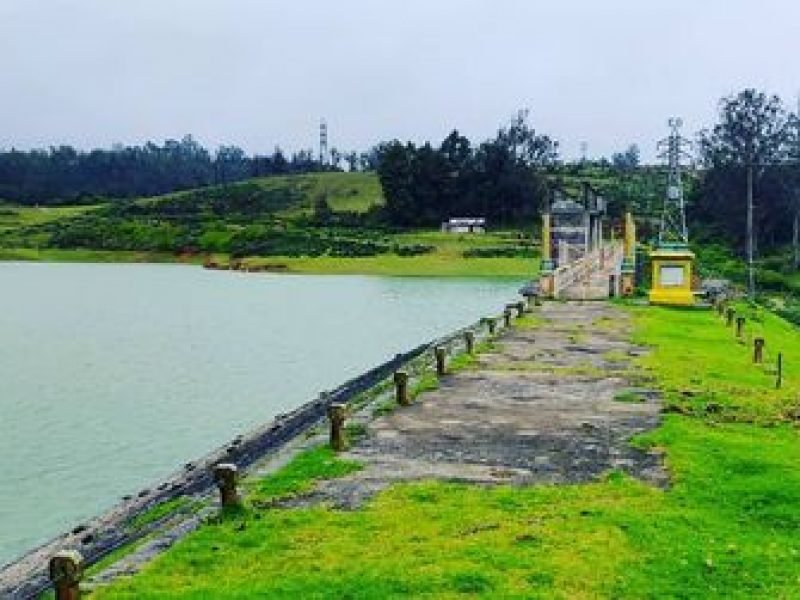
65,175
500,179
750,163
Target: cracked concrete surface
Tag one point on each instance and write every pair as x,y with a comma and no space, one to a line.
539,408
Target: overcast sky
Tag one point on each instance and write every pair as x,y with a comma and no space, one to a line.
260,73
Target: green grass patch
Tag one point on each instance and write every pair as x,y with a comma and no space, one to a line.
629,396
82,255
385,407
702,370
727,529
530,321
300,475
434,264
115,556
355,431
428,382
159,511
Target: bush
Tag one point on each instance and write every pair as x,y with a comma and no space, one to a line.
772,280
500,252
413,249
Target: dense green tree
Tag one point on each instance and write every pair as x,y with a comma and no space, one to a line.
743,153
501,180
627,160
63,174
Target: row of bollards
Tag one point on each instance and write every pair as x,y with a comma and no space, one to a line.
66,567
758,342
337,413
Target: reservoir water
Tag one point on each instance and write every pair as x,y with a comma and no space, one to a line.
112,376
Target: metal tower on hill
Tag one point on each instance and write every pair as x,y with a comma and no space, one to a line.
673,217
323,142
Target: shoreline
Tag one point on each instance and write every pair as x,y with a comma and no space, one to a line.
382,265
101,536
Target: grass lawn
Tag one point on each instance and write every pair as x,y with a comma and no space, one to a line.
727,528
446,260
440,263
436,264
353,192
13,216
88,256
706,371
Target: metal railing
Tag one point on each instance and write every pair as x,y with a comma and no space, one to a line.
581,270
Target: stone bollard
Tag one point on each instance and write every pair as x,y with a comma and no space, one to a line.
721,307
469,342
492,323
226,476
779,375
401,388
530,300
507,317
612,285
740,327
440,353
65,571
729,314
758,350
520,309
337,413
537,301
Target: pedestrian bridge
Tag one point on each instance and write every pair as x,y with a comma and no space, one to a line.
594,269
594,276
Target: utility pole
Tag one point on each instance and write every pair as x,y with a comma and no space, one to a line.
796,193
751,274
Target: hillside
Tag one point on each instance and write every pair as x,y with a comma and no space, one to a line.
303,223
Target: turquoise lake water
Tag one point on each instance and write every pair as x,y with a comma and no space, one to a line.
113,376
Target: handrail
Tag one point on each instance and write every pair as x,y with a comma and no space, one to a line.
581,269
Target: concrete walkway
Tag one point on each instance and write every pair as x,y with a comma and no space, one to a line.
539,408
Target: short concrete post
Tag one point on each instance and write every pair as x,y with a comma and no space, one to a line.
492,323
507,317
721,307
612,285
520,309
440,354
729,314
779,377
758,350
529,299
740,327
336,415
537,301
66,571
469,341
401,388
226,476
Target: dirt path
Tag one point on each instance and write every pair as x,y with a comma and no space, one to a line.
539,408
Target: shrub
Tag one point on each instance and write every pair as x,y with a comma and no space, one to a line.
500,252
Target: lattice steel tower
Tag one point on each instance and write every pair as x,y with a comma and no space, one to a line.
673,217
323,143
